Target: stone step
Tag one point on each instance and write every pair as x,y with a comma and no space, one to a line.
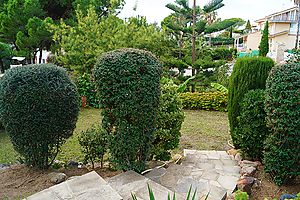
89,186
210,172
133,183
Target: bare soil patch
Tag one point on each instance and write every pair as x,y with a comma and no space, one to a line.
19,181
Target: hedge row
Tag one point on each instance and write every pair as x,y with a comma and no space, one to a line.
205,100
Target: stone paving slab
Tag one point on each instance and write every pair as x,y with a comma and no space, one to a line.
210,172
132,182
86,187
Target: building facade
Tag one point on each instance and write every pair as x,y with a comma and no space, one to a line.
282,32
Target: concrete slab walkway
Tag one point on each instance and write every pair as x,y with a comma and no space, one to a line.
212,173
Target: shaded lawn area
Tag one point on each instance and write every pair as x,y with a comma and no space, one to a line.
201,130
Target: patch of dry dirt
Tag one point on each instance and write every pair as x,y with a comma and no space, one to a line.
267,189
20,181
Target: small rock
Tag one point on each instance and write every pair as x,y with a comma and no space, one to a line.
4,166
238,157
248,163
248,171
245,184
287,196
57,178
73,164
232,152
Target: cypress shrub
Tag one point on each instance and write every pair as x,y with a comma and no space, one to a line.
282,105
252,130
248,74
128,81
169,120
39,109
264,43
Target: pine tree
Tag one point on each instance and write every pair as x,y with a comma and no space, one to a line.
264,43
248,27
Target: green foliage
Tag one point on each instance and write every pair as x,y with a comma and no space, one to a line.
189,197
128,81
239,195
169,119
35,37
219,87
5,56
264,43
96,35
39,108
295,57
223,54
86,87
282,152
248,74
94,144
248,27
205,100
15,16
252,130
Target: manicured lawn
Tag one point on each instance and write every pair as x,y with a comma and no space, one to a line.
200,130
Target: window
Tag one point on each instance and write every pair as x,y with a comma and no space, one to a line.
293,28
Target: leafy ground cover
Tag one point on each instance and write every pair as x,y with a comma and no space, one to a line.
200,130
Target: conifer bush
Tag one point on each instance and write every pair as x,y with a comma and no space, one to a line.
248,74
282,105
39,109
252,129
169,120
128,81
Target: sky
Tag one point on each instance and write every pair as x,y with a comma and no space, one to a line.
155,10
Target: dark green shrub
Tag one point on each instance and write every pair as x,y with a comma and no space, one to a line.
86,87
252,130
264,43
39,109
128,81
205,100
248,74
282,105
94,143
222,54
169,119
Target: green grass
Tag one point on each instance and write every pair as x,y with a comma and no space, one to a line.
200,130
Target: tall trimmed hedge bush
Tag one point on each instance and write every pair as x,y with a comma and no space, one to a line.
39,109
204,100
282,105
252,129
128,81
169,120
248,74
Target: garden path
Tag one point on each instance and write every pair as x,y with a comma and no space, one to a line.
212,173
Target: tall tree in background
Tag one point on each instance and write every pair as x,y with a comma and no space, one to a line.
264,43
248,27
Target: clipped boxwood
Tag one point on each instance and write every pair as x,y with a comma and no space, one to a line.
205,100
128,81
282,105
248,74
39,109
169,120
252,129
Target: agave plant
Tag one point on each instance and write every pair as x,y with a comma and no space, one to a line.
189,197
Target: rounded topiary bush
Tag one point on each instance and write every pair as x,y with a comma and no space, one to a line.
252,130
128,81
248,74
169,120
282,105
39,109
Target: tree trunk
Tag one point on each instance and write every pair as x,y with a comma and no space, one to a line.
298,27
194,44
41,56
